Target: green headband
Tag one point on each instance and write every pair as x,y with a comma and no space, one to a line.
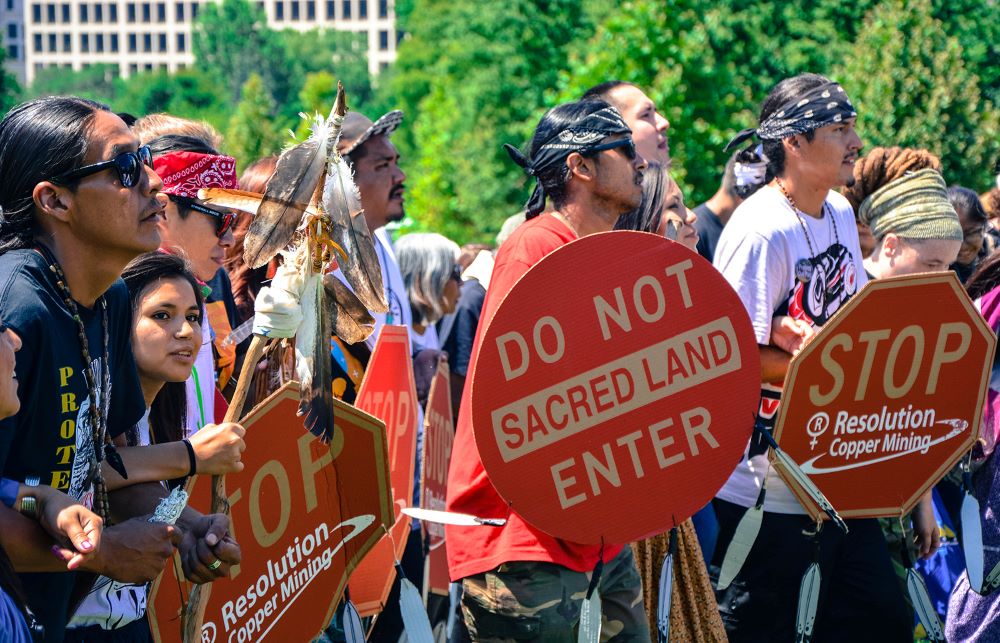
914,206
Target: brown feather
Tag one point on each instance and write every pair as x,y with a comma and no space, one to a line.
286,199
316,396
351,320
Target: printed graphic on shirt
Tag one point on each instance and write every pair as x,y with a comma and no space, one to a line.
834,280
80,428
112,605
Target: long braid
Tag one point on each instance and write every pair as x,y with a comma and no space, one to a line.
884,164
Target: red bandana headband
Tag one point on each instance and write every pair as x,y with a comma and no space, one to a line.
184,173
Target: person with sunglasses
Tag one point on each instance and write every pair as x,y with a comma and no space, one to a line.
516,580
202,234
72,218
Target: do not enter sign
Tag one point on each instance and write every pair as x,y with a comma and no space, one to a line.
888,397
615,388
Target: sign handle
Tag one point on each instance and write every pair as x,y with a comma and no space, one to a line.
194,612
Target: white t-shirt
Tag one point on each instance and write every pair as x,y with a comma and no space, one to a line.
201,408
111,604
758,253
428,340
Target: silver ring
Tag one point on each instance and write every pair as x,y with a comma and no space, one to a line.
217,564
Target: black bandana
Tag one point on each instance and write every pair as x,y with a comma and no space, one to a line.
818,107
578,137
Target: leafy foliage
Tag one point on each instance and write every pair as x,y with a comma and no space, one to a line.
251,133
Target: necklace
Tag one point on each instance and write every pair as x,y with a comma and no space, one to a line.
804,268
98,398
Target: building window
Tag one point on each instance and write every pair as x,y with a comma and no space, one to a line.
295,9
279,10
99,43
52,42
145,12
179,12
38,43
130,11
383,8
147,42
148,66
113,12
132,43
161,12
162,43
12,30
181,43
12,52
362,9
114,43
329,9
194,10
345,9
36,13
310,10
84,43
383,40
67,42
50,13
399,37
10,5
84,13
66,14
98,13
260,6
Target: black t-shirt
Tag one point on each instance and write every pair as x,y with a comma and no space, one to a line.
458,330
51,436
709,228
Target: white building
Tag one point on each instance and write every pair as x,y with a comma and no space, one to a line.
148,35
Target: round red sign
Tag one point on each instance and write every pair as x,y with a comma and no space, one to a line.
615,388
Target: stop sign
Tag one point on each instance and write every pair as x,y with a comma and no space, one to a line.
887,398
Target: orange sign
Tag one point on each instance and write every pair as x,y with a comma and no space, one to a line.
388,393
887,398
304,515
439,434
615,388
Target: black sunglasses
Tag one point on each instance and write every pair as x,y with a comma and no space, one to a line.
627,143
129,166
223,220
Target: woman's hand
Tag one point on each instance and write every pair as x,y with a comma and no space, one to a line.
76,529
791,335
926,533
218,448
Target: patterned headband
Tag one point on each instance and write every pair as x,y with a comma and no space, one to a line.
577,137
817,108
184,173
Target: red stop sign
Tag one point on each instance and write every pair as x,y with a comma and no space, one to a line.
615,388
888,397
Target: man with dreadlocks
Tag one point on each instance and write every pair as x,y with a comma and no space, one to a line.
792,249
520,583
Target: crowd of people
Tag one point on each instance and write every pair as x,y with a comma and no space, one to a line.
123,293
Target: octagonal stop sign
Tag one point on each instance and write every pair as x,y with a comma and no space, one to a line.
888,397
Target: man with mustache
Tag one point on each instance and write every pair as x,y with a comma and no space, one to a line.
520,583
791,249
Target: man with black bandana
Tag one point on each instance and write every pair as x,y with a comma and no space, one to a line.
520,583
792,250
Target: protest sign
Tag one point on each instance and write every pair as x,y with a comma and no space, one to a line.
887,398
388,393
304,514
439,435
615,388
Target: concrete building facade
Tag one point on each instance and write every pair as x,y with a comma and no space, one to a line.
146,35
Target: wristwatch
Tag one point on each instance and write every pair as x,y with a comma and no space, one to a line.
29,504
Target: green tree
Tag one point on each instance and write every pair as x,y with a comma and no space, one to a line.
189,93
231,40
10,90
252,132
470,77
341,54
96,82
919,91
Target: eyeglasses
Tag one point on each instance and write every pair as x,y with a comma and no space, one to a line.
627,143
223,220
129,166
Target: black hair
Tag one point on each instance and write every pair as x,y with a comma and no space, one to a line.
985,278
646,217
553,179
168,412
180,143
602,91
783,92
39,139
963,198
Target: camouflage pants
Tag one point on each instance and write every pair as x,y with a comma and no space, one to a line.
534,601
